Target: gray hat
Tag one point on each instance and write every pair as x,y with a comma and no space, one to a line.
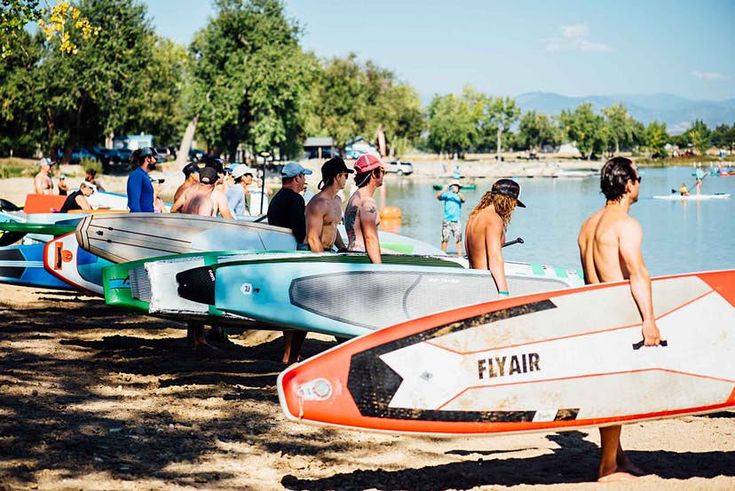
45,161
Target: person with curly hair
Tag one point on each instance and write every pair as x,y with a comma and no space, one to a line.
485,230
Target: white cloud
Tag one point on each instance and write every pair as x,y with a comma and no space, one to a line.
707,75
575,37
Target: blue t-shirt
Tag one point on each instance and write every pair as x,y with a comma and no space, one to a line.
236,200
452,206
140,192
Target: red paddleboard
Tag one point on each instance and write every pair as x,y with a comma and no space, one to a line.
550,361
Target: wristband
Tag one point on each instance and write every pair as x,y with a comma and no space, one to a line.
503,293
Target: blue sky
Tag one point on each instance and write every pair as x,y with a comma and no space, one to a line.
571,47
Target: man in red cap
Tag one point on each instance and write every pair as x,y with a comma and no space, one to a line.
485,231
361,214
324,211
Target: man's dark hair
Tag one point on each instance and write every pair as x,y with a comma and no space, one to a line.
614,175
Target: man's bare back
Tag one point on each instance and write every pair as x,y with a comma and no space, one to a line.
610,248
484,237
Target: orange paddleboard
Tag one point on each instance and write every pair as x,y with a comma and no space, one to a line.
43,203
550,361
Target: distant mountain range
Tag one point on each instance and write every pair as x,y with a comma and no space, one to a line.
677,112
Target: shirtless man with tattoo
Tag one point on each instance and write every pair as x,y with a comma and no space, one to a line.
42,183
361,216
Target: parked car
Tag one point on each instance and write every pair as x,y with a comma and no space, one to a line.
399,168
77,154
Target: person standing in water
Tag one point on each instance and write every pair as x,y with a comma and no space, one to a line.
610,249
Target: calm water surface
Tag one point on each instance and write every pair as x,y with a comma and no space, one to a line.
679,237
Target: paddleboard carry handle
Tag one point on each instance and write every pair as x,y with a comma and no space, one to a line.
641,343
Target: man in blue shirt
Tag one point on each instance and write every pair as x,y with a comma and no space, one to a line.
453,200
239,194
139,187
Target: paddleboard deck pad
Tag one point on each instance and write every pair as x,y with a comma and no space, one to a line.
543,362
319,293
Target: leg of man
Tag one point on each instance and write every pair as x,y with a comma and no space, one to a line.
293,339
614,464
445,235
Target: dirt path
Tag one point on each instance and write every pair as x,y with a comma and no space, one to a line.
93,398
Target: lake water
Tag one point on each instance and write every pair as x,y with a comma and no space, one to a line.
679,237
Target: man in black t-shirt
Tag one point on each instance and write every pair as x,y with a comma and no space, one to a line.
286,209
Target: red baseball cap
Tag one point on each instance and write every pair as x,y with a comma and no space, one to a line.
366,163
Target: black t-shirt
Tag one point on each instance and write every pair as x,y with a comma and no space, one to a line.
71,202
286,209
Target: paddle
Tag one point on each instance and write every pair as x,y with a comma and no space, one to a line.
690,187
519,240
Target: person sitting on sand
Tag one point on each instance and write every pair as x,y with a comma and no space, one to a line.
610,247
485,230
78,199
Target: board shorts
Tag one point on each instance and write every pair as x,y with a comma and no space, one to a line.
451,228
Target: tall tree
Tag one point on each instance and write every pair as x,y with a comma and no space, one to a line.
700,136
250,78
583,127
656,139
97,91
20,121
500,113
619,126
536,130
452,125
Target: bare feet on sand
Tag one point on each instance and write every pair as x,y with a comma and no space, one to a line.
617,477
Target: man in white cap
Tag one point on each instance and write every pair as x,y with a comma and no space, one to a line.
453,200
42,183
238,196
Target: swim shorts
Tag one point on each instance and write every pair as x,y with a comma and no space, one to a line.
451,228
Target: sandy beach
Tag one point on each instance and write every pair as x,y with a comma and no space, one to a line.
95,398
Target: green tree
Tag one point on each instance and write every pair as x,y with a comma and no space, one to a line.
499,113
250,78
161,102
452,125
19,111
700,136
97,91
619,127
723,136
536,130
656,139
585,128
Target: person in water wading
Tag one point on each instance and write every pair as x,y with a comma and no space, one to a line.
610,248
485,230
